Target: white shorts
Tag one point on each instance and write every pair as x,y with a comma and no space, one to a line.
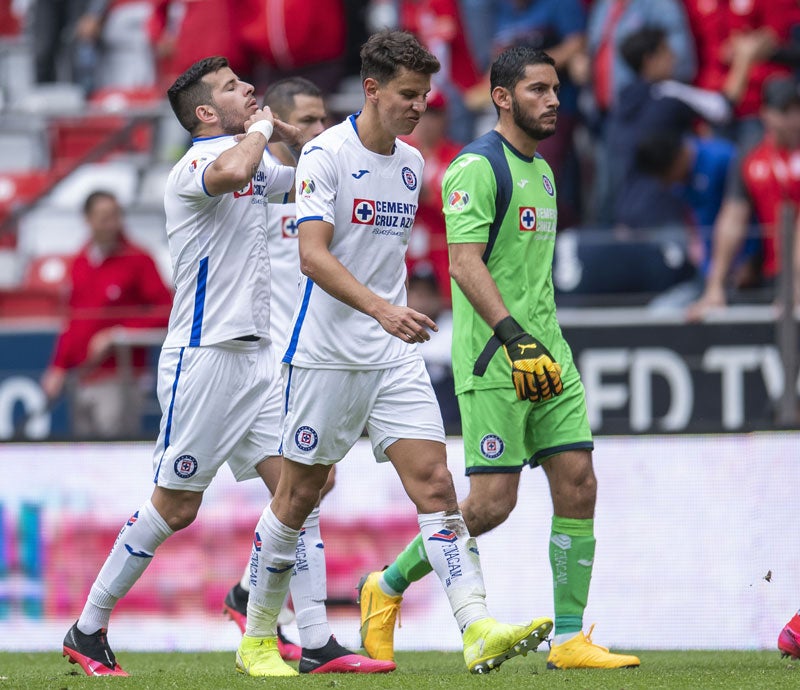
220,403
328,409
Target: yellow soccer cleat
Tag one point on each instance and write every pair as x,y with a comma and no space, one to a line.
378,614
259,657
581,652
487,643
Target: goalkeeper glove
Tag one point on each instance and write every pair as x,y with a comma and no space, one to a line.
536,375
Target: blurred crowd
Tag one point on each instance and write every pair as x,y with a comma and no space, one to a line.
669,110
677,152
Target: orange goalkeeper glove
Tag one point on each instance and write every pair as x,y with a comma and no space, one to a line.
536,375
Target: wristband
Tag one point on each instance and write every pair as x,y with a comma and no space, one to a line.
507,328
262,127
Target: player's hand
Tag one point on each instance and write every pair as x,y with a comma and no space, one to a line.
406,323
288,134
536,375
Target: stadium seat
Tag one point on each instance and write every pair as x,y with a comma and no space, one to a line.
51,230
16,69
23,146
9,269
118,176
58,98
126,60
151,189
48,273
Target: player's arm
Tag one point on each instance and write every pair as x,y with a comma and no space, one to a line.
536,375
730,230
320,265
234,168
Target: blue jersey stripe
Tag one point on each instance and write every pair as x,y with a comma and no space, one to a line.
298,324
168,430
286,401
199,303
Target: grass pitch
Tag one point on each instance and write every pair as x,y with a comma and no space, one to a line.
416,671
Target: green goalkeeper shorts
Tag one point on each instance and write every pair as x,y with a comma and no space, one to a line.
503,434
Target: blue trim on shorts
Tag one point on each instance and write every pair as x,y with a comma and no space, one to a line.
555,450
286,403
168,430
199,302
287,358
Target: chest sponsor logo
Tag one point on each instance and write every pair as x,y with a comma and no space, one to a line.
527,219
289,227
548,186
409,178
363,212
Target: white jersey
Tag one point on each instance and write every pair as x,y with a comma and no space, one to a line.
284,259
218,246
370,199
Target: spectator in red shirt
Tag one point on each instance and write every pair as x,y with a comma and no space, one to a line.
428,242
768,178
115,285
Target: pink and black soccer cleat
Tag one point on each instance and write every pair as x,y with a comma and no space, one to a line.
91,652
333,658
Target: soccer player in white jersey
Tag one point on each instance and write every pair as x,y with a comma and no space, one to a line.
298,102
219,387
352,358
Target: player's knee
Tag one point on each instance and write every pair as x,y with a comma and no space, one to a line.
181,517
484,513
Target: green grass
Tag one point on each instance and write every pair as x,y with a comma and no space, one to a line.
416,671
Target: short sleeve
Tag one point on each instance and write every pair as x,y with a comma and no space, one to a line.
189,181
316,183
468,199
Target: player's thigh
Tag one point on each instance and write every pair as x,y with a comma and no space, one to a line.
326,411
558,425
210,398
493,428
405,407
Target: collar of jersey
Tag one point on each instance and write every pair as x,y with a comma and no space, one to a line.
352,119
516,152
216,136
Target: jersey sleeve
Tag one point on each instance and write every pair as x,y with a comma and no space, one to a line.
315,185
190,179
468,199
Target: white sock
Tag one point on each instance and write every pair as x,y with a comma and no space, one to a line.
453,554
385,587
309,586
132,552
271,565
561,638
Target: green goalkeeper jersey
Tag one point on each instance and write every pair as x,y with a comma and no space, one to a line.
494,195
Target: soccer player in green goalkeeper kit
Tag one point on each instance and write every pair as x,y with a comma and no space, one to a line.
520,396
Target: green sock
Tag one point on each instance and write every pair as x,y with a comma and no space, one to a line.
571,558
409,566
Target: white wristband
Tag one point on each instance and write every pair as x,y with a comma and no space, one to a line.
263,127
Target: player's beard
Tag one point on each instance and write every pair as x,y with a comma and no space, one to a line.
529,124
230,121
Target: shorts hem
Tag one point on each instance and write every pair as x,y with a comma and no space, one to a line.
555,450
483,469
